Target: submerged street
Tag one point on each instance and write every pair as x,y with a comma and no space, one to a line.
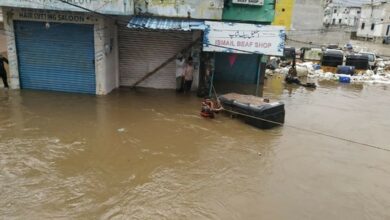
147,154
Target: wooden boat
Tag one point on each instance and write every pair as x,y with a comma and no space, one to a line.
256,111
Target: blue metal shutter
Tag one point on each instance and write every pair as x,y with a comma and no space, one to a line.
59,58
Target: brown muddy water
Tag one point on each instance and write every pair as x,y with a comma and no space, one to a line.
147,154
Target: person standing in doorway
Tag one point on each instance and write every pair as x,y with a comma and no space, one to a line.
3,73
180,66
188,75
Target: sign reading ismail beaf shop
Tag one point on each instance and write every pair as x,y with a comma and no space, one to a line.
114,7
244,38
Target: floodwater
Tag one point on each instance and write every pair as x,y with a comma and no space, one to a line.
147,154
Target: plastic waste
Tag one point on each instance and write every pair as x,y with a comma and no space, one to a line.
316,66
344,79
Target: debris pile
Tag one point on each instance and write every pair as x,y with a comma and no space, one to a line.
313,71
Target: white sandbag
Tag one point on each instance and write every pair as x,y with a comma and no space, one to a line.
369,73
269,72
302,71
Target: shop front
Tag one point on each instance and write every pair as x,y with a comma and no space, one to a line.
61,51
240,51
148,47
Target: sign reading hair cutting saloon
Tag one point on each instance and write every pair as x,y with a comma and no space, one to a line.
244,38
249,2
115,7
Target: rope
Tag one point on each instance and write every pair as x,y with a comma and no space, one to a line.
303,129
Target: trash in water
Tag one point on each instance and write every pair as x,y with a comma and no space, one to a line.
380,75
344,78
121,129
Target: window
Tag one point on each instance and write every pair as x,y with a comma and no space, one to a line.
363,24
334,21
339,21
358,12
335,11
372,26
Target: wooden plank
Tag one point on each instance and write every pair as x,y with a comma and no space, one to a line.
149,74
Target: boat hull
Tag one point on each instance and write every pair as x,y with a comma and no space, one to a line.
264,116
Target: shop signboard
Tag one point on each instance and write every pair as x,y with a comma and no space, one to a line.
244,38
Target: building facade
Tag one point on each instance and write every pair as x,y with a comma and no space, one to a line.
374,23
159,31
61,47
307,29
260,11
338,15
207,9
283,13
95,46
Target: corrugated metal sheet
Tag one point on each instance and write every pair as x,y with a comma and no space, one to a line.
142,51
153,23
59,58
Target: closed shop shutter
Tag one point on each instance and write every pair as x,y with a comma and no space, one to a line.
59,57
141,51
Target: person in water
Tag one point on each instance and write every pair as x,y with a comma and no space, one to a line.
180,66
3,73
188,75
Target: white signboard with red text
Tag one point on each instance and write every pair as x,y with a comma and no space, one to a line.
244,38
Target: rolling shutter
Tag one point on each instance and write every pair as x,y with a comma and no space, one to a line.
59,57
141,51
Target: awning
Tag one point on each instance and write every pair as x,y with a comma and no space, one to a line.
153,23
